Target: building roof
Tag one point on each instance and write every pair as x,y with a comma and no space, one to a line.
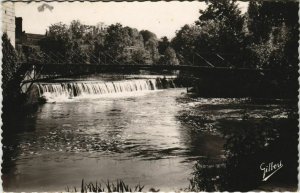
32,39
35,36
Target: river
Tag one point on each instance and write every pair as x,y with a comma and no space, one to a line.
149,137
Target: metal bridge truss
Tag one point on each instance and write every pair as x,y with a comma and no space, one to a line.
55,65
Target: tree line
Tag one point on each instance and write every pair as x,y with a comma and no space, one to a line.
265,37
112,45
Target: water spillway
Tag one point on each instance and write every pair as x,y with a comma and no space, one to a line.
69,90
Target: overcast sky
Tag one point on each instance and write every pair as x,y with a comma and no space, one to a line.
162,18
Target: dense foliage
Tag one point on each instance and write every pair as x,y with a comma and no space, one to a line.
273,33
113,44
11,78
265,37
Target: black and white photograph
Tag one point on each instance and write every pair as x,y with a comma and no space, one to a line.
142,96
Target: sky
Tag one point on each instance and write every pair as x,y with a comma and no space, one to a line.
162,18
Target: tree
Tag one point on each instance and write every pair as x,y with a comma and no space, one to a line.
140,56
163,44
184,43
273,28
77,30
275,24
226,11
169,57
151,44
124,45
221,27
116,41
258,27
114,44
11,75
68,43
57,43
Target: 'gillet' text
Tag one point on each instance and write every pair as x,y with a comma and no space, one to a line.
269,169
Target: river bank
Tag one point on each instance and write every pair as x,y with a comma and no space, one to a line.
273,84
252,138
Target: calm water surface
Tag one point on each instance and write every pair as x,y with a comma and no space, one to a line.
143,139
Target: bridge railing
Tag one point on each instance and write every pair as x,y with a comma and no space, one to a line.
196,58
56,65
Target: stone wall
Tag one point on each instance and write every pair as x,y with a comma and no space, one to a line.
8,20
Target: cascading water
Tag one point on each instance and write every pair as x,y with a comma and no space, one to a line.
89,89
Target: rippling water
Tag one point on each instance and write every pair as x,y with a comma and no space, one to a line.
153,139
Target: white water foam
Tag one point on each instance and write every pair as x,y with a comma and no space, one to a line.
70,91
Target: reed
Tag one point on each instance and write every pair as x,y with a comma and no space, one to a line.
118,186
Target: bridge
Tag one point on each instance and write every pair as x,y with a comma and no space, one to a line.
212,72
207,80
57,67
50,71
53,71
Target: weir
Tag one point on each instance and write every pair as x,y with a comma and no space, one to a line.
86,89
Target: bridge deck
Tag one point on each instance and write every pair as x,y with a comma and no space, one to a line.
94,68
51,71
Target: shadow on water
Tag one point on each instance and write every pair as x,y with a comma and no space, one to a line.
251,144
15,122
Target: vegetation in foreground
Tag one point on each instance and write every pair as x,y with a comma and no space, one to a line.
118,186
